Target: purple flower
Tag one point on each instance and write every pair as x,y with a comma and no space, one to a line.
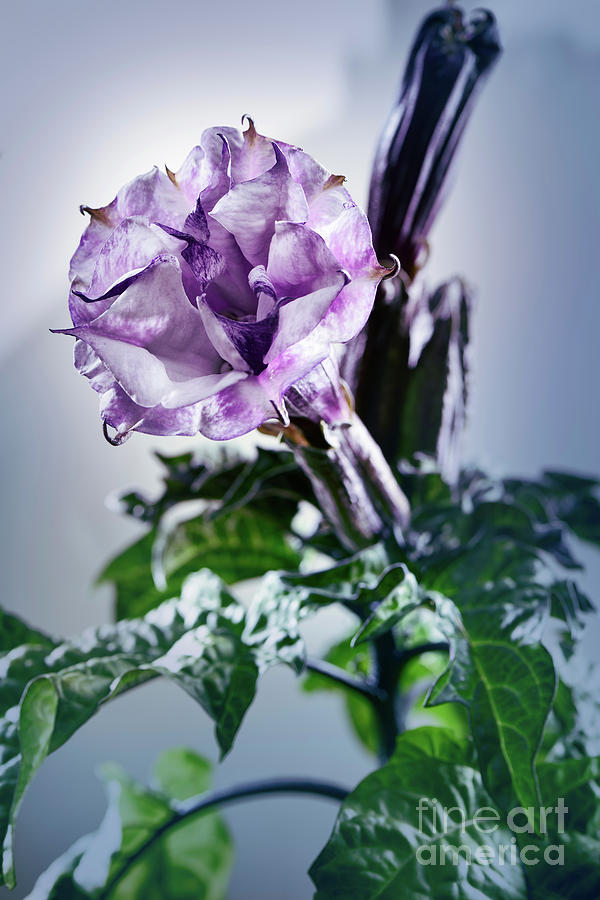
199,298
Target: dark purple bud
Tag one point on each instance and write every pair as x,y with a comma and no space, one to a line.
447,64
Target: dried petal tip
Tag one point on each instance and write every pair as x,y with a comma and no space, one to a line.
98,214
250,132
334,181
172,176
119,437
392,270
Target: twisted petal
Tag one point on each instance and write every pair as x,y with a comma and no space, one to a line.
154,343
301,266
249,211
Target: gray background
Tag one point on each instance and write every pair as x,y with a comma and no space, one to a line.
94,93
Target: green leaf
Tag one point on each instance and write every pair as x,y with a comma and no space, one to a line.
14,632
574,876
203,642
380,835
130,574
566,861
350,582
242,532
238,546
562,497
507,686
392,601
242,544
137,853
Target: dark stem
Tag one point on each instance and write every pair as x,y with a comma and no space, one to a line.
362,686
431,647
196,805
388,709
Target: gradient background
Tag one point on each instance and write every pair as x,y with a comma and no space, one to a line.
94,93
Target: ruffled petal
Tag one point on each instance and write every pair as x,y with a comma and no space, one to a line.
237,410
153,341
300,261
219,182
204,262
154,196
218,336
102,221
249,211
119,411
348,236
252,154
301,266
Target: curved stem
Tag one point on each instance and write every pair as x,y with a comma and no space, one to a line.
196,805
431,647
335,673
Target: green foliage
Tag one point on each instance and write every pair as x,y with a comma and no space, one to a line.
392,831
143,850
508,687
205,642
462,606
243,530
372,852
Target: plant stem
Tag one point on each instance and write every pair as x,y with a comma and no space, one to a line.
197,805
431,647
362,686
391,724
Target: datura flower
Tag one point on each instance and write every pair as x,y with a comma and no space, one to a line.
200,297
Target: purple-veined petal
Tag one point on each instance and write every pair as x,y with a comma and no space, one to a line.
230,292
101,223
252,154
130,246
119,411
300,263
205,262
249,211
236,410
251,340
348,236
128,249
305,170
154,196
88,363
220,178
328,203
218,337
153,341
191,177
